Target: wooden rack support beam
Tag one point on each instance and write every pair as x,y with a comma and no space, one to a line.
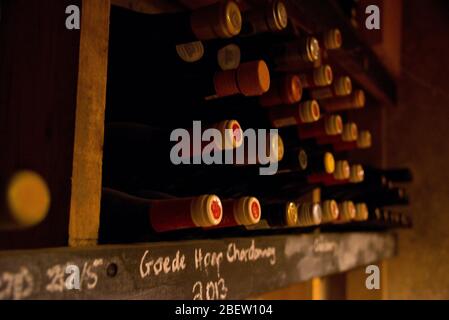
89,127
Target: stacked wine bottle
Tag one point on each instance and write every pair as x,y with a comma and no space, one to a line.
237,72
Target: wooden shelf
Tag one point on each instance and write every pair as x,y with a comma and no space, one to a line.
208,269
68,152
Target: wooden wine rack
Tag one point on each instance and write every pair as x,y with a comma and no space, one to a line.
71,121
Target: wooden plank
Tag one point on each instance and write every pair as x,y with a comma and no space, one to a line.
89,128
233,268
38,80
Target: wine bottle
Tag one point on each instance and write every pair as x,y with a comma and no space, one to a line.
364,141
120,210
232,179
289,57
139,156
231,134
342,86
354,101
349,134
342,172
293,141
295,159
138,141
304,162
347,212
361,212
386,216
318,77
228,57
271,17
328,125
356,175
249,79
281,214
330,211
225,57
352,191
130,57
309,214
163,45
373,195
330,39
402,220
213,57
292,183
296,55
387,197
378,216
25,200
244,211
291,115
395,218
220,20
151,194
284,90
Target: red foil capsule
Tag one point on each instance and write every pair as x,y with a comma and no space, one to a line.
244,211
